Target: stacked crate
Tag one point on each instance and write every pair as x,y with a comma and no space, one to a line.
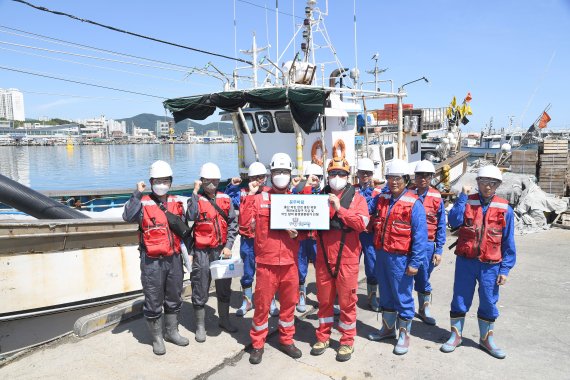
524,161
553,166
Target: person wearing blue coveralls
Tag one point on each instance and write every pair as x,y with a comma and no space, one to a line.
365,187
308,247
400,238
436,224
485,254
256,173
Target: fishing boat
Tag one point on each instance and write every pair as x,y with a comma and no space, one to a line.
52,266
315,119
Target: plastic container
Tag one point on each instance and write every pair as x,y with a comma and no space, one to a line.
226,268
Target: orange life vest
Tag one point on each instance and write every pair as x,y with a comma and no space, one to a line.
211,228
482,236
393,233
156,235
432,202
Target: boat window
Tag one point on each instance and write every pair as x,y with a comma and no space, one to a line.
250,123
388,153
317,126
265,122
284,122
414,147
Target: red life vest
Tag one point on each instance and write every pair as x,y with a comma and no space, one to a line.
432,202
482,236
245,230
156,235
393,233
211,228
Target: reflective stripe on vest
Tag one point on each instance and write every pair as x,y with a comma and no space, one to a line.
481,236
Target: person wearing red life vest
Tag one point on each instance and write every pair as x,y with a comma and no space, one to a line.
215,229
485,253
400,238
161,262
436,223
256,173
276,260
338,255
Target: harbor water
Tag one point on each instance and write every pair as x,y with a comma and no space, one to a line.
103,167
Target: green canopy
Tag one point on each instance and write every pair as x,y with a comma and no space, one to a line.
306,104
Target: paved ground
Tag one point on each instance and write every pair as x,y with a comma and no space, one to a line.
533,329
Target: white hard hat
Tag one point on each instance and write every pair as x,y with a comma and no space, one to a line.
160,169
314,169
365,164
210,170
398,167
281,161
424,166
256,168
490,171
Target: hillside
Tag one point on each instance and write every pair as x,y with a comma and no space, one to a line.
148,121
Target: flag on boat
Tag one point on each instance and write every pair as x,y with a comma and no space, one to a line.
544,119
468,97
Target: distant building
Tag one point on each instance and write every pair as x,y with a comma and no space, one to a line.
12,104
116,126
95,128
163,129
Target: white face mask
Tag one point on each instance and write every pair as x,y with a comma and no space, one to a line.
160,189
338,183
281,181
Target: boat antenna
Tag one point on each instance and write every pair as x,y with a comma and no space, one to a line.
235,34
356,48
277,38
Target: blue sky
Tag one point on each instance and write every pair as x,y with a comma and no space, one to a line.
513,56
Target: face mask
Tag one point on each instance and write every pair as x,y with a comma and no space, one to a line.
160,189
338,183
210,187
281,181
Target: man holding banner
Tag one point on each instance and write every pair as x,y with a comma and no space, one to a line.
338,252
275,257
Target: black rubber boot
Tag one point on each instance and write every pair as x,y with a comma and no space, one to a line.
200,315
224,311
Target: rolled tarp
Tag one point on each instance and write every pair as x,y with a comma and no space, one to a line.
31,202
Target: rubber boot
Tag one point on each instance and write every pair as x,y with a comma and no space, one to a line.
302,305
273,309
224,323
486,341
424,312
247,303
373,303
155,328
172,335
388,329
454,340
200,315
403,344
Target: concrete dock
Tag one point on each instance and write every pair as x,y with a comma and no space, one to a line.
533,328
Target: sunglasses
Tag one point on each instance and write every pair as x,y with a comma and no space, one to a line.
424,175
257,178
280,171
364,173
337,173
